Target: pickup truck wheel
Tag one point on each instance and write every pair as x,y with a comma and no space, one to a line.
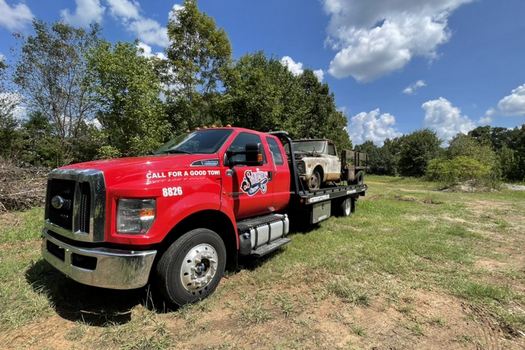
191,268
315,180
360,178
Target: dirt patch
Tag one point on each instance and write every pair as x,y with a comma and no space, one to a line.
426,200
490,265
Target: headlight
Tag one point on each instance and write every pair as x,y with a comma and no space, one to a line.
135,215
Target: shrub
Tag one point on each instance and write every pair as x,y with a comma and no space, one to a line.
461,169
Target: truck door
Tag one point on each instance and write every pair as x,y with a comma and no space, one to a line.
334,163
250,188
281,175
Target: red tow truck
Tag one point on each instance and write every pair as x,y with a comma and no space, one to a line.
181,217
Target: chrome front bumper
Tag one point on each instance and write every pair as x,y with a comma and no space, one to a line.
99,267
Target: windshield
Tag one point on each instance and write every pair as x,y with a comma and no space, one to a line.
309,146
202,141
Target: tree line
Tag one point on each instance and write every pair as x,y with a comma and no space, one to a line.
86,98
486,155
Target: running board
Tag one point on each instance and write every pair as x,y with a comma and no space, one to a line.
271,247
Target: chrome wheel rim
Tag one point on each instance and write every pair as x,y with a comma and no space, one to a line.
198,268
314,181
347,207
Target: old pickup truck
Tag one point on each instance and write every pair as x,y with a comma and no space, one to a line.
318,163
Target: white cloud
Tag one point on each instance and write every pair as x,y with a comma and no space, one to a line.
14,17
513,104
2,57
445,119
412,88
147,51
149,31
86,12
124,8
319,73
374,38
296,68
146,29
372,126
487,119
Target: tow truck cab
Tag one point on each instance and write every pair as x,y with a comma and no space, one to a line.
179,217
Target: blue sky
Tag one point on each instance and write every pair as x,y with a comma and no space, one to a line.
394,65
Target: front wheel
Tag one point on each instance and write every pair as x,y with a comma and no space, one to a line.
315,180
192,267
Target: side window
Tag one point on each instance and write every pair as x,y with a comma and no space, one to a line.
239,144
331,149
275,150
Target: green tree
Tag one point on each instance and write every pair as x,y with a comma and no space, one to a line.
321,118
382,160
197,55
468,146
261,93
509,145
52,73
416,150
10,138
127,89
40,147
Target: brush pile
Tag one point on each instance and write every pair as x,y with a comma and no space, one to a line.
21,188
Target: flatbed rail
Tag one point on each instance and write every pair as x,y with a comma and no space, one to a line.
329,193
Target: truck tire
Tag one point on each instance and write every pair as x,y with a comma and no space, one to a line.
345,207
192,267
360,178
314,183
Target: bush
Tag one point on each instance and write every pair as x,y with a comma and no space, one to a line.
461,169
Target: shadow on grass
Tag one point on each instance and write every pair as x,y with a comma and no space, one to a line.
102,307
90,305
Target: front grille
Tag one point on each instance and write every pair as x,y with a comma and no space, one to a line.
84,205
75,204
64,189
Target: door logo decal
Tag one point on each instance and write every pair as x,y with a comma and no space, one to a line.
254,181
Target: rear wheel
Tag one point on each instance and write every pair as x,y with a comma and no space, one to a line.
314,183
360,177
192,267
345,207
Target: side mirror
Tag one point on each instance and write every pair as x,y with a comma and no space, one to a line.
253,154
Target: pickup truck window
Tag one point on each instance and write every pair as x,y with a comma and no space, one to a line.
239,144
276,151
331,149
309,146
201,141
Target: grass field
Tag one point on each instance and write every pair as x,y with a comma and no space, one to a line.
412,268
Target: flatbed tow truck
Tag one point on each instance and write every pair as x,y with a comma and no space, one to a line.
179,218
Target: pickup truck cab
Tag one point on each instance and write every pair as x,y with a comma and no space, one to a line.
179,218
317,162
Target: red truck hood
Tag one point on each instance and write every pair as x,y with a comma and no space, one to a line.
124,170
